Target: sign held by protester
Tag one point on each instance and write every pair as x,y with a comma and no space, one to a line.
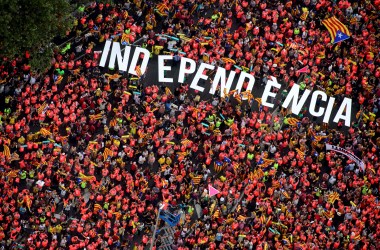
347,153
189,66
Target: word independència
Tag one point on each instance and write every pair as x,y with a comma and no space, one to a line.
188,66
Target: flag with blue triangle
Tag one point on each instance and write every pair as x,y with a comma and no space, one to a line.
334,26
261,161
340,36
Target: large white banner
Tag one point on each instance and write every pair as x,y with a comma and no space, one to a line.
347,153
188,66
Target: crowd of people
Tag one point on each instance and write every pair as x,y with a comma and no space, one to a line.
89,156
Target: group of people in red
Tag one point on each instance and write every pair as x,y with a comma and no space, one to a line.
89,156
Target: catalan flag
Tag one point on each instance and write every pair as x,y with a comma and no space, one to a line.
304,15
218,166
161,9
353,21
97,207
293,121
96,117
86,177
15,157
195,6
183,154
258,100
113,123
235,165
107,153
42,108
196,179
241,218
45,132
12,174
138,71
59,80
185,142
286,241
168,91
117,215
7,152
300,153
320,137
334,196
338,31
124,39
265,163
328,214
285,194
28,202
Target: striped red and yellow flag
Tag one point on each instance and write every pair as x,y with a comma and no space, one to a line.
7,152
195,6
266,163
41,108
86,177
59,80
107,153
329,214
353,21
45,132
241,218
258,100
218,168
334,196
300,153
333,25
15,157
96,117
185,142
161,8
304,15
285,194
97,207
235,165
196,179
113,123
182,153
117,215
12,174
168,91
293,121
28,202
319,137
138,71
124,38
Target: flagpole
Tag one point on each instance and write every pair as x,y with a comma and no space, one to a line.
155,228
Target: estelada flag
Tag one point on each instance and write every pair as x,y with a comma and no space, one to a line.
107,152
124,39
338,31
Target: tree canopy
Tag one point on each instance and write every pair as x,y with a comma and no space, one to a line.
30,25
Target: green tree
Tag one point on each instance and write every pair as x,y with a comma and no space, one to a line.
30,25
